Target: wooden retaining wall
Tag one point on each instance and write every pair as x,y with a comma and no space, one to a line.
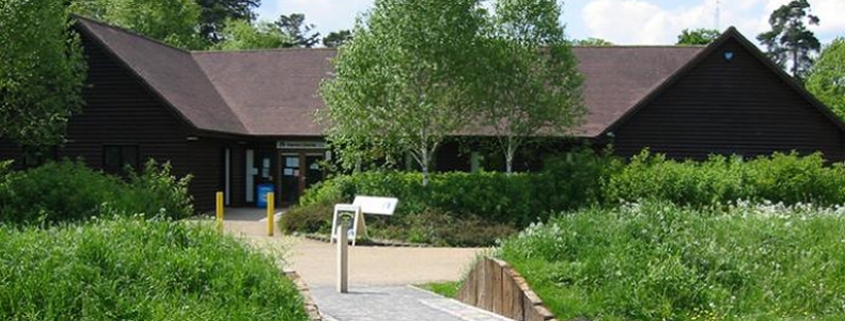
310,307
493,285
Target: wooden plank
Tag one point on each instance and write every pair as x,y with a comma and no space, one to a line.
469,291
508,291
485,287
497,285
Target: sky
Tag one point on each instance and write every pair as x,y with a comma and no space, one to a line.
624,22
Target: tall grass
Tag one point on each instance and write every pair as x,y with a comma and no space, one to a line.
659,261
133,269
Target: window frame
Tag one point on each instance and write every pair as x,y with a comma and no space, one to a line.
123,160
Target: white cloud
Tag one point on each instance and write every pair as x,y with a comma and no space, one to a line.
643,22
649,22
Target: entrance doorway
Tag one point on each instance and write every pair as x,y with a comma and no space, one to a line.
299,170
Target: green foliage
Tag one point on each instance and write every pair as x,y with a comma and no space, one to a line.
215,14
42,71
312,218
827,77
336,39
294,28
243,35
400,83
157,190
592,42
570,181
68,191
529,81
700,36
658,261
175,22
787,178
790,43
130,269
447,289
439,228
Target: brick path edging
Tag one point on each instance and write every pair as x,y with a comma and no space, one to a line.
310,307
493,285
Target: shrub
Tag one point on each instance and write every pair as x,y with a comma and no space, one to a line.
70,191
156,189
313,218
787,178
63,191
439,229
659,261
130,269
570,181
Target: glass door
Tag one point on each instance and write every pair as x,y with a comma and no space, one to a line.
313,171
290,178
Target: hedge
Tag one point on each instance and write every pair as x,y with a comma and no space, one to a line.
70,191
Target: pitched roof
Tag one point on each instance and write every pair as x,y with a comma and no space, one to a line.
616,78
171,73
274,92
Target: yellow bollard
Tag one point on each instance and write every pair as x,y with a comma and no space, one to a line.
271,216
220,212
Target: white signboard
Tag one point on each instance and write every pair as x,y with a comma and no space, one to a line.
360,206
376,205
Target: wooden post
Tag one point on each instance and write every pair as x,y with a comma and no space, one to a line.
220,212
342,257
271,216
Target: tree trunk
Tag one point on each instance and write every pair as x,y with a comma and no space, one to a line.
424,161
509,155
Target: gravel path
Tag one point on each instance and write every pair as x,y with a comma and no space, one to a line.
378,276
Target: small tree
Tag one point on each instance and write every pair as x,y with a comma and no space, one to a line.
242,35
175,22
337,38
790,41
593,42
41,71
700,36
529,85
827,77
298,31
400,84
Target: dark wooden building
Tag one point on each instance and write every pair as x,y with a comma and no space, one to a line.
238,119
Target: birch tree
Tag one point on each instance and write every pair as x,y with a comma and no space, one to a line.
401,82
532,87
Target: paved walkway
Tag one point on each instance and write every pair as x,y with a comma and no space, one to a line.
378,276
394,303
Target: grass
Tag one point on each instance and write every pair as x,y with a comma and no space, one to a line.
133,269
447,289
658,261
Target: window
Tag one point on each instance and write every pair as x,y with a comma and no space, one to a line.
37,155
117,157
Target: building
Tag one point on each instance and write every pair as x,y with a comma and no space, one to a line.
238,119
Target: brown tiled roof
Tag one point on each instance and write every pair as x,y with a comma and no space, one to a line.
274,92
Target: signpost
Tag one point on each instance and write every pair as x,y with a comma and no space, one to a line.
341,229
360,206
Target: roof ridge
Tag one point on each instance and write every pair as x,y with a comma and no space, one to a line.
217,51
226,100
128,32
645,46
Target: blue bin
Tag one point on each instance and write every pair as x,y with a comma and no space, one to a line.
263,189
